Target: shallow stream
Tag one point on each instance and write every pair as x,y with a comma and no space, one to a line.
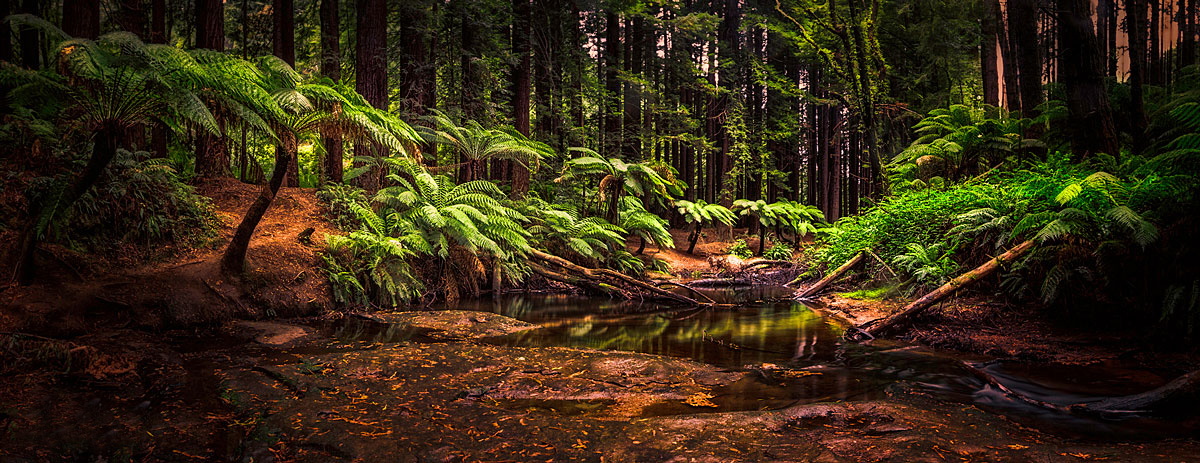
798,356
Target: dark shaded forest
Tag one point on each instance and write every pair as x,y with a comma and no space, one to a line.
1012,179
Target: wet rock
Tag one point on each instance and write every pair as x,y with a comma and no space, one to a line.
271,333
457,324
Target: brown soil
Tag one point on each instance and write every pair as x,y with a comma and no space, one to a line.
975,324
74,292
708,257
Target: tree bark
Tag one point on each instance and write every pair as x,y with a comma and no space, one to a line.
1023,32
1135,11
6,52
987,52
1092,128
158,21
612,84
130,17
1012,86
371,73
830,278
30,38
283,46
521,87
933,297
234,260
104,149
81,18
212,154
331,67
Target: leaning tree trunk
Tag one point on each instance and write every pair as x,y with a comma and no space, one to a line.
234,260
694,238
103,151
933,297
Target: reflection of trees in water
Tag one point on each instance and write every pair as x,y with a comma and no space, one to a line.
780,331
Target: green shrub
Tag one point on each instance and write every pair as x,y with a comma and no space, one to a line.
740,249
341,201
780,251
140,201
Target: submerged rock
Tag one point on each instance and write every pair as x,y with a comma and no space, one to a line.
456,324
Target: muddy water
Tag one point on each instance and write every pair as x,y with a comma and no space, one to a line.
796,356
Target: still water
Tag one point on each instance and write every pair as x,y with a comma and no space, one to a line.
796,356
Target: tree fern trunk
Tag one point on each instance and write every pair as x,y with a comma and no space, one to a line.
234,259
694,238
103,151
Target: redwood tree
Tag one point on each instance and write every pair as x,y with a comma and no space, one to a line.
81,18
521,82
212,155
331,67
370,62
1091,123
284,46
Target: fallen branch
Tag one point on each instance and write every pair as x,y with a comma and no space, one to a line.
933,297
626,286
814,289
714,282
765,263
690,289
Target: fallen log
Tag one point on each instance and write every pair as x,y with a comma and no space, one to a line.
764,264
814,289
1182,393
629,287
690,289
933,297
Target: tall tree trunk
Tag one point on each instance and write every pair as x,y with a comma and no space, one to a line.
6,52
1187,50
81,18
1012,85
612,84
104,149
631,148
1091,116
234,260
331,67
987,53
1023,31
131,17
158,21
212,154
29,37
1155,74
283,46
370,63
1135,11
521,87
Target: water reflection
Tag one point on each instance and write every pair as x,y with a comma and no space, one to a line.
794,355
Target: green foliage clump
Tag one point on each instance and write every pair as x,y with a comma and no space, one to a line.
740,249
139,200
342,202
778,251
